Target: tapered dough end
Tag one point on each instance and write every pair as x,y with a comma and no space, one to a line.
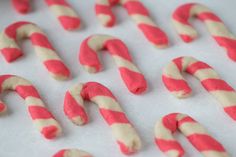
182,94
91,69
51,132
22,6
72,153
79,120
161,46
3,108
133,147
70,23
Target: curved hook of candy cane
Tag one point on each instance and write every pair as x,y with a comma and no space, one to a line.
140,16
214,24
65,14
110,109
72,153
210,80
196,134
21,6
42,118
88,57
44,50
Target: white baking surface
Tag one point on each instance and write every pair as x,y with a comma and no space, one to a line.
19,138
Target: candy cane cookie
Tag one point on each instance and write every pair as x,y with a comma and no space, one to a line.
88,57
195,133
214,24
72,153
44,50
110,109
210,80
21,6
138,13
65,13
42,118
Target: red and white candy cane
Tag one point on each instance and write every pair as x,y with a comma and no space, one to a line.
65,14
42,118
196,134
210,80
214,24
88,57
110,109
44,50
21,6
138,13
72,153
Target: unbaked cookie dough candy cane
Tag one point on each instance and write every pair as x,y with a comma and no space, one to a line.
44,50
65,14
88,57
110,109
138,13
210,80
72,153
21,6
214,24
42,118
196,134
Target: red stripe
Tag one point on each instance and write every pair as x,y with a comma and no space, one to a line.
72,109
216,84
179,63
174,85
125,149
11,30
117,47
69,23
57,2
92,89
205,142
186,38
112,117
38,112
22,6
167,145
40,39
2,107
50,132
57,67
208,16
11,54
134,81
154,34
191,69
25,91
135,7
231,111
182,13
60,153
2,79
102,9
170,122
186,120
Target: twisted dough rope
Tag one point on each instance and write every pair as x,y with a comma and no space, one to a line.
88,57
110,109
214,24
44,50
42,118
210,80
65,14
195,133
21,6
72,153
138,13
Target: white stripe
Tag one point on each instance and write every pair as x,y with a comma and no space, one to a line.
226,98
6,42
161,132
212,153
33,101
183,29
76,153
191,128
121,62
46,54
141,19
60,10
14,81
106,102
203,74
96,42
103,2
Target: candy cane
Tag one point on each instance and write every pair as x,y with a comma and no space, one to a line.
65,14
42,118
138,13
210,80
72,153
214,24
21,6
44,50
132,77
195,133
110,109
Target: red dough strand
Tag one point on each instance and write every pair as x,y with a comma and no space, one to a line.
122,129
196,134
21,6
214,24
44,50
130,74
210,80
138,13
42,118
72,153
